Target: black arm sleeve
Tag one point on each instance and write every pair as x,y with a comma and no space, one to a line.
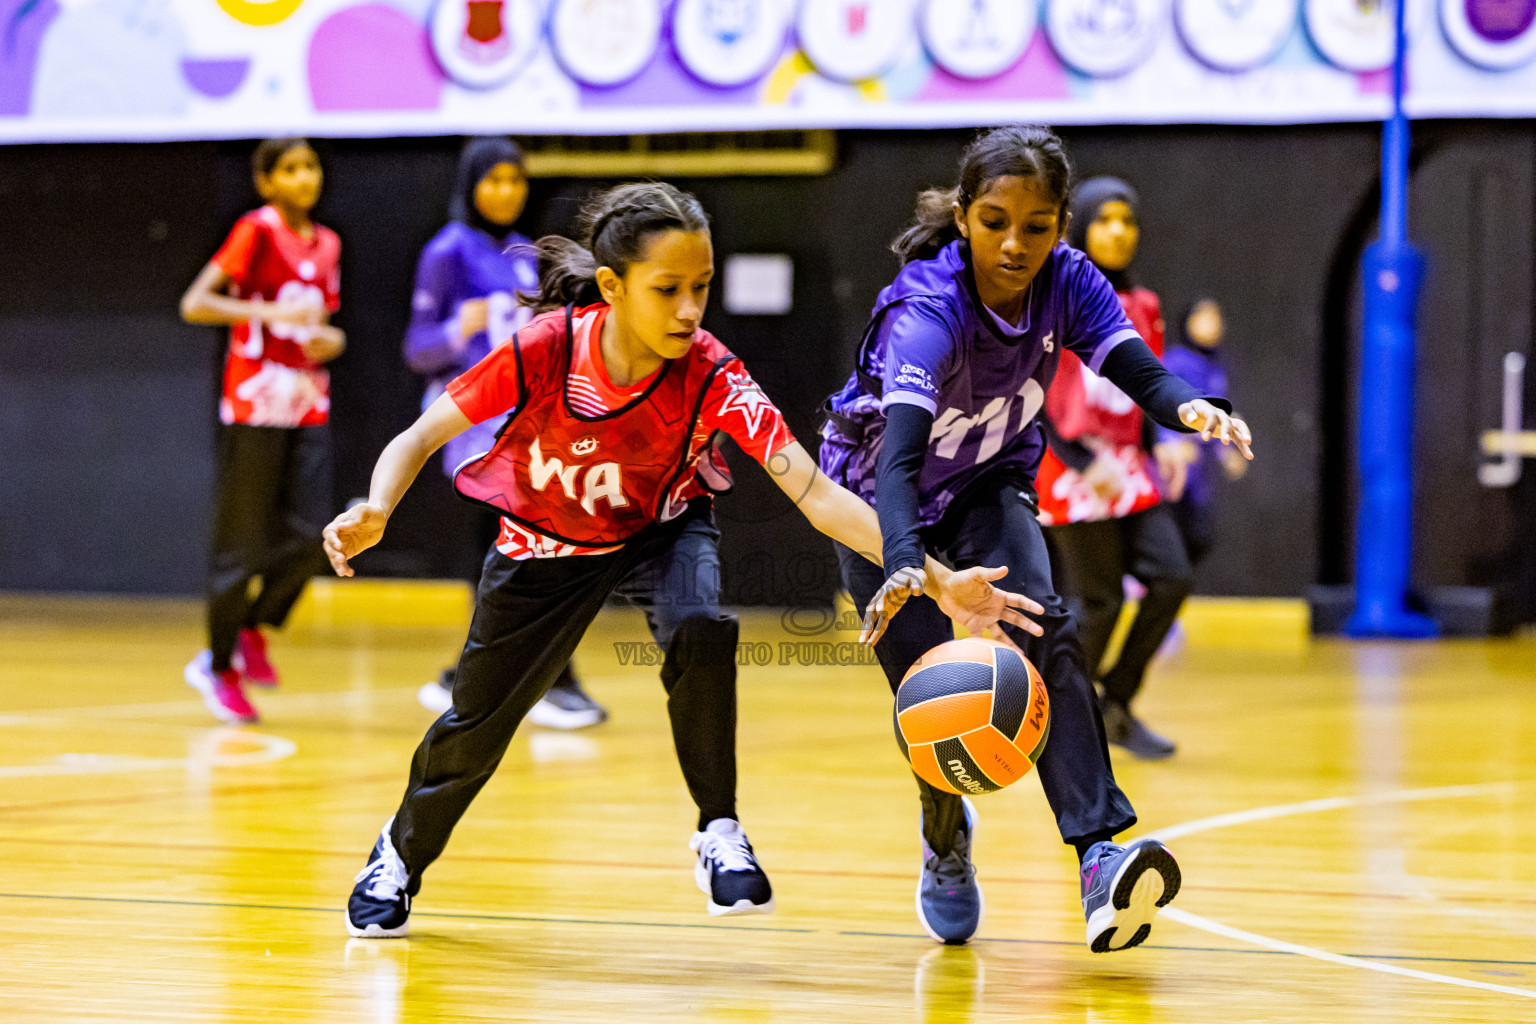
1132,368
902,451
1073,454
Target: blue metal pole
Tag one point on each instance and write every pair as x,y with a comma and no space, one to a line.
1393,272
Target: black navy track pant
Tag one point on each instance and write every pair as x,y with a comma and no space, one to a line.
480,535
1095,557
529,617
271,501
994,525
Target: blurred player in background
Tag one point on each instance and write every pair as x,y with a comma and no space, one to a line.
1103,478
276,282
938,428
1199,361
465,304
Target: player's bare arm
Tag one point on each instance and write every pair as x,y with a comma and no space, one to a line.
965,595
361,526
206,302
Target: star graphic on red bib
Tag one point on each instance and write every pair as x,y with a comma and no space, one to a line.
745,397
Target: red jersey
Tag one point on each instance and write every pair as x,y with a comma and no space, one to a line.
268,381
583,465
1086,407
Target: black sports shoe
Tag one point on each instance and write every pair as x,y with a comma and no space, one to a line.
567,706
727,871
1126,730
380,907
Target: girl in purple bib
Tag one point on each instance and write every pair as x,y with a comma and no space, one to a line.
464,305
938,428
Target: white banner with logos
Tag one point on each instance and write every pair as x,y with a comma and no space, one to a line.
202,69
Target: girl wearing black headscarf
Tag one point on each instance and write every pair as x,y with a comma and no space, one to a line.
465,304
1103,481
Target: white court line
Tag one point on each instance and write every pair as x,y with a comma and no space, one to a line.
208,751
288,701
1280,946
1332,803
1311,807
90,764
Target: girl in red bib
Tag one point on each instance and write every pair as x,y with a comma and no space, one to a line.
614,394
1102,484
275,282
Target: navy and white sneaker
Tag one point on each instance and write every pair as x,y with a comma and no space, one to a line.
1123,889
380,907
949,901
567,706
728,872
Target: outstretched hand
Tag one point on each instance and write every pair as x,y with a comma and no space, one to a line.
354,531
967,596
1210,422
888,600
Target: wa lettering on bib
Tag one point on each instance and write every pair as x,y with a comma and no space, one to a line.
594,481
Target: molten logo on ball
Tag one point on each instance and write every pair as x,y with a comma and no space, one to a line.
972,716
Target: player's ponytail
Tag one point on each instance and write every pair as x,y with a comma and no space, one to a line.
1026,151
932,227
616,227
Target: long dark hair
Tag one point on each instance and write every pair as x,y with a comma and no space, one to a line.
615,228
1024,151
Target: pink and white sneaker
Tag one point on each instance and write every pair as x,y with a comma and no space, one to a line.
250,659
221,691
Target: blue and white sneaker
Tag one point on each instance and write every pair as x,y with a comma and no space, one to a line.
1123,889
380,907
949,902
727,871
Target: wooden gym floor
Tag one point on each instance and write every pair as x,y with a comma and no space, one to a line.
1354,822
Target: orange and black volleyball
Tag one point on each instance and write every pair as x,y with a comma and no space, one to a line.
972,716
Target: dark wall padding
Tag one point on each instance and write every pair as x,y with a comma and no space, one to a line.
107,401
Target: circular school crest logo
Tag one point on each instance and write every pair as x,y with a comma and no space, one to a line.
1357,35
605,42
483,43
977,38
851,40
584,447
1494,34
730,42
1105,38
1235,35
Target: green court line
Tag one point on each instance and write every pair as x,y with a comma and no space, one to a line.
528,919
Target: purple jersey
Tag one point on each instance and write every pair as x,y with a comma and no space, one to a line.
459,264
1203,369
931,343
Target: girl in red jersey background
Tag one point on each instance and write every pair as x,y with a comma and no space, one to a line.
1102,483
614,396
275,282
